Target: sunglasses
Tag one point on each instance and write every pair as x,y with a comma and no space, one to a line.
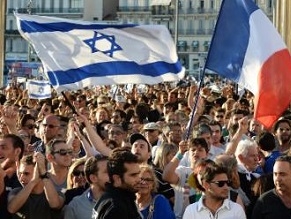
78,173
101,103
221,183
50,126
64,152
219,116
30,126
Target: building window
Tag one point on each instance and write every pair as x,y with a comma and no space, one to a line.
195,45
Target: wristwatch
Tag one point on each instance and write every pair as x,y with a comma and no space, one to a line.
45,175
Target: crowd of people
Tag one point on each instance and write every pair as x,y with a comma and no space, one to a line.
132,153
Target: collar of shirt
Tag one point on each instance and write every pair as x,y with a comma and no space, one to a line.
201,206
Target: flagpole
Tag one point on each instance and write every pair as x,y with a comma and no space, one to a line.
2,39
188,132
176,22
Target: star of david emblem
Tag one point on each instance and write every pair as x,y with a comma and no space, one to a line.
40,90
103,43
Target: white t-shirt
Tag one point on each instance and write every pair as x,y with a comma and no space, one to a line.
228,210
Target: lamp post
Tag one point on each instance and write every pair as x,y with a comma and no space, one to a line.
2,38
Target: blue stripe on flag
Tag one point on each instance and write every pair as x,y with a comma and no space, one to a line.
33,27
39,96
39,83
156,69
231,38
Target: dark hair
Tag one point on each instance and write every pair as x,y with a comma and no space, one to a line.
195,142
266,141
16,143
50,147
91,166
211,171
203,163
25,118
284,158
27,160
203,128
116,161
214,123
263,184
276,126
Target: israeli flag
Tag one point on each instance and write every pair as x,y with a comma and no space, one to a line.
78,54
39,89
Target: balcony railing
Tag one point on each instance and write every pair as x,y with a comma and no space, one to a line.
48,10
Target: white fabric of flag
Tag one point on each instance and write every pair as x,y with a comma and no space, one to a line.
38,89
76,54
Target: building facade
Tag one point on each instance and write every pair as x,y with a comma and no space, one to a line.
194,27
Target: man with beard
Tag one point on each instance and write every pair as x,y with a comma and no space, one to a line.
96,174
282,131
118,200
214,203
276,203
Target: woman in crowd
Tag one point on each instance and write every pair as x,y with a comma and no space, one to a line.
152,206
76,181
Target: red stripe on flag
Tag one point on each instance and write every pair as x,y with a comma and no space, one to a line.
274,82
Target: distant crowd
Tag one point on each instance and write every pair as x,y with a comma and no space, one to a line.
142,152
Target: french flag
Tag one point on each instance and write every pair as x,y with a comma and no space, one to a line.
247,49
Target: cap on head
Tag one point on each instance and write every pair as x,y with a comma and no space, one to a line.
137,136
151,126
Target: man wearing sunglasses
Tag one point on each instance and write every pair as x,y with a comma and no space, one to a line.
50,129
59,155
214,203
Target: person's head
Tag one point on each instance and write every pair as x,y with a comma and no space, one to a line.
80,101
117,133
164,154
204,131
76,176
123,169
255,127
263,184
219,116
152,132
198,149
24,135
237,115
215,182
198,171
11,148
282,131
25,169
247,154
140,147
27,123
216,131
96,171
282,175
102,114
230,164
59,153
173,132
51,125
266,141
118,116
148,181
